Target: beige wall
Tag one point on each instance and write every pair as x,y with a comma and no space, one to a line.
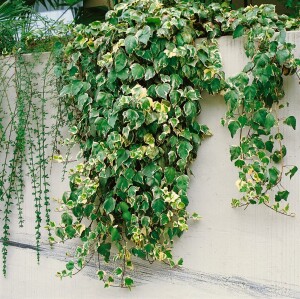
230,253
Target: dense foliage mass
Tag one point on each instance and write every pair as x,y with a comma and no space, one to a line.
132,89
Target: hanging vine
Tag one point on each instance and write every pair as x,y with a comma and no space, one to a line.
24,142
132,88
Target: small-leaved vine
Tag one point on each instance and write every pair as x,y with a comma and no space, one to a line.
25,97
132,89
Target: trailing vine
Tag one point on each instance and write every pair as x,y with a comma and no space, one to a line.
132,88
23,142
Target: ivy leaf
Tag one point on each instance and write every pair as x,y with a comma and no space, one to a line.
144,34
158,206
239,31
235,152
128,282
282,195
145,220
104,250
130,43
70,265
215,85
270,121
182,182
60,232
150,73
66,218
150,169
170,173
176,81
290,121
282,56
115,235
122,156
233,126
122,183
70,231
184,149
162,90
190,109
109,205
292,171
126,216
153,20
231,98
120,61
273,175
269,146
250,92
137,71
259,116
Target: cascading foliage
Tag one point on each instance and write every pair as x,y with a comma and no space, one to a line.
132,88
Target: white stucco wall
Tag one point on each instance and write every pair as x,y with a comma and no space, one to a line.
230,253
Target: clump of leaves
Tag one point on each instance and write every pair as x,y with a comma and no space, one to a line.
132,89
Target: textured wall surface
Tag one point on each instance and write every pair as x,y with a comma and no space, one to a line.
230,253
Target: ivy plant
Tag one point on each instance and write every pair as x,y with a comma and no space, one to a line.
132,89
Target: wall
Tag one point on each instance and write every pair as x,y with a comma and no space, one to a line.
230,253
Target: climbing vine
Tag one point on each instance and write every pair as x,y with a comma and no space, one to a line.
132,89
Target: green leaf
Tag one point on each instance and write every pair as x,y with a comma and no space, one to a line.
158,206
150,73
122,156
162,90
176,81
231,98
153,20
282,195
170,173
70,231
282,56
235,152
145,221
182,182
150,169
126,215
124,206
66,219
130,43
70,266
137,71
233,126
109,205
100,274
128,282
119,271
292,171
180,262
239,31
215,85
104,250
115,235
184,149
259,116
273,175
120,61
270,121
250,92
144,34
291,121
190,109
60,232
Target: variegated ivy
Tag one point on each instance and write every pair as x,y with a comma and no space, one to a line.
132,86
